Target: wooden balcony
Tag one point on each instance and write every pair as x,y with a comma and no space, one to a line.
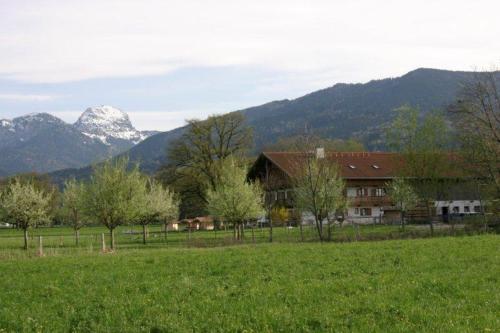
370,201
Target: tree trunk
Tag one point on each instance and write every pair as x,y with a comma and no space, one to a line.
329,230
253,235
431,225
25,238
270,229
112,237
301,231
166,230
403,220
144,231
77,237
319,227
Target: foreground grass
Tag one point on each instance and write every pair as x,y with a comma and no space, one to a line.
441,284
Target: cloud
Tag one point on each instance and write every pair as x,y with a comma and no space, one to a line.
59,41
27,98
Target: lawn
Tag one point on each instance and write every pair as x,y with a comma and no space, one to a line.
435,285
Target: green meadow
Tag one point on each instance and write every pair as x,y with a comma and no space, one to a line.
441,284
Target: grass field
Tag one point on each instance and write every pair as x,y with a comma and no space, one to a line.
435,285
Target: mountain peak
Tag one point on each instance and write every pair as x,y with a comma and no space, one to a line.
107,123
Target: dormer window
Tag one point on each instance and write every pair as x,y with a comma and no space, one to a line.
352,166
375,166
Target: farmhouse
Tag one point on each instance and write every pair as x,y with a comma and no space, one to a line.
366,175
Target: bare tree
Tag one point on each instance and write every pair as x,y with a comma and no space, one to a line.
477,115
423,145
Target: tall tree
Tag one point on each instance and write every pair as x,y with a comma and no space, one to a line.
113,194
319,190
424,145
25,205
193,159
402,193
477,116
156,204
73,205
234,199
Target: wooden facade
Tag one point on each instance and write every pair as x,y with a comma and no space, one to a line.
366,176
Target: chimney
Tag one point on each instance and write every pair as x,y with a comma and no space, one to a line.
320,153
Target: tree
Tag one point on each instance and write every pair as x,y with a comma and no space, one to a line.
73,205
193,159
25,205
423,145
156,204
234,199
280,214
41,183
477,116
319,190
402,193
113,194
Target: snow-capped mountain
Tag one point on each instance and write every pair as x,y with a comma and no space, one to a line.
41,142
107,124
22,129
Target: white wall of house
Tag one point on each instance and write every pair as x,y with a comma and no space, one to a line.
359,214
458,206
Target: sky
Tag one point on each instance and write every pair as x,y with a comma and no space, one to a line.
166,61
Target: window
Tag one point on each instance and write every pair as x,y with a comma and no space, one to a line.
456,210
380,192
466,209
366,212
477,209
356,211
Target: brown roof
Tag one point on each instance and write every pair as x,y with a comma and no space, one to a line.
353,165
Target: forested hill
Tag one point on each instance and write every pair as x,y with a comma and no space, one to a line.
355,110
341,111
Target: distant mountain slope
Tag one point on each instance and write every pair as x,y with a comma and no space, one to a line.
355,110
150,154
341,111
41,142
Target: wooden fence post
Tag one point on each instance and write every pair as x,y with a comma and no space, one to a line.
103,243
40,246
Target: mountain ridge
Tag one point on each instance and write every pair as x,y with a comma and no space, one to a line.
41,142
343,110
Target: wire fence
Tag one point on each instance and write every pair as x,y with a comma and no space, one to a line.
61,240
